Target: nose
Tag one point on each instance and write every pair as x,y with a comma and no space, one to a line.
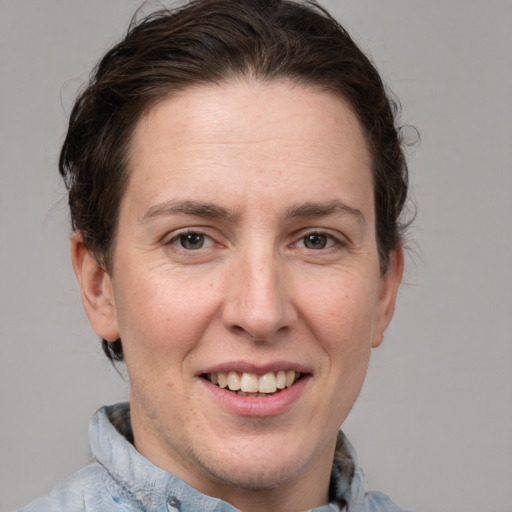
258,305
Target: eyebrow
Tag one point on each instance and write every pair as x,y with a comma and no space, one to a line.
198,209
211,210
314,209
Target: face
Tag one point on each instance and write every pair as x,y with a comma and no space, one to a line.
245,254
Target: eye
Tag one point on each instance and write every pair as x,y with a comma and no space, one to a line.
192,241
317,241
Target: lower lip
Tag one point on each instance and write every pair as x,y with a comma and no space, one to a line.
262,406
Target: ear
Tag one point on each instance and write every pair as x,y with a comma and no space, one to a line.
96,289
390,282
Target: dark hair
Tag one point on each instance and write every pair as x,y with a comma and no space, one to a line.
210,42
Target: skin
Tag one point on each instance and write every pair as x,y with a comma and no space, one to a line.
275,163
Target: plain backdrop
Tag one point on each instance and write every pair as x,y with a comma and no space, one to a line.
433,424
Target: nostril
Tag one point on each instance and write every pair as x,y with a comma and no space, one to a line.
238,329
259,329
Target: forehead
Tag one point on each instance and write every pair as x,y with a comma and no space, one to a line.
250,111
279,136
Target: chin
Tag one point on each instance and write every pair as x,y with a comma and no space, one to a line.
256,466
255,476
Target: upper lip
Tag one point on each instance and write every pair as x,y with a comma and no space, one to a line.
258,369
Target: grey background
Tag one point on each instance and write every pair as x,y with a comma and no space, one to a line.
433,425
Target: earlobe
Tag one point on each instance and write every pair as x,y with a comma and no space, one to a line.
390,283
96,290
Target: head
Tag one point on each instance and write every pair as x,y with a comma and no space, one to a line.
212,119
211,42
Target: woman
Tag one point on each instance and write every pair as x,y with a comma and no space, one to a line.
235,182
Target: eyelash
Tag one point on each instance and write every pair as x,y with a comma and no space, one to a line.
177,239
330,241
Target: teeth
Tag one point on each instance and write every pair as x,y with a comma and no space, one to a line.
222,378
267,383
251,384
233,381
281,380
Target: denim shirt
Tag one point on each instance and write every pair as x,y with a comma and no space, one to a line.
120,479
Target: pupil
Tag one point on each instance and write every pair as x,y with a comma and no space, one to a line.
315,241
192,241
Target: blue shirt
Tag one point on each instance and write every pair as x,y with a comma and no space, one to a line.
121,480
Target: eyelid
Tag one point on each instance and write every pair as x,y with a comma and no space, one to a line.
336,237
173,238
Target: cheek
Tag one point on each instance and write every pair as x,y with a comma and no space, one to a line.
162,318
342,312
342,321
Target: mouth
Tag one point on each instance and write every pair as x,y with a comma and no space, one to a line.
253,385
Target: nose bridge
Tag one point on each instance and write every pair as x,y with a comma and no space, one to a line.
257,303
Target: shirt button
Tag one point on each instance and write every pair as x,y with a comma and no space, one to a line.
173,504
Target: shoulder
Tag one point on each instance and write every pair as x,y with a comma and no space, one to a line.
361,500
378,502
90,489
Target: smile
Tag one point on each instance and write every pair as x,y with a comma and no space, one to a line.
251,384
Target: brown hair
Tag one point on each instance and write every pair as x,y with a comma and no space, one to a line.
210,42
